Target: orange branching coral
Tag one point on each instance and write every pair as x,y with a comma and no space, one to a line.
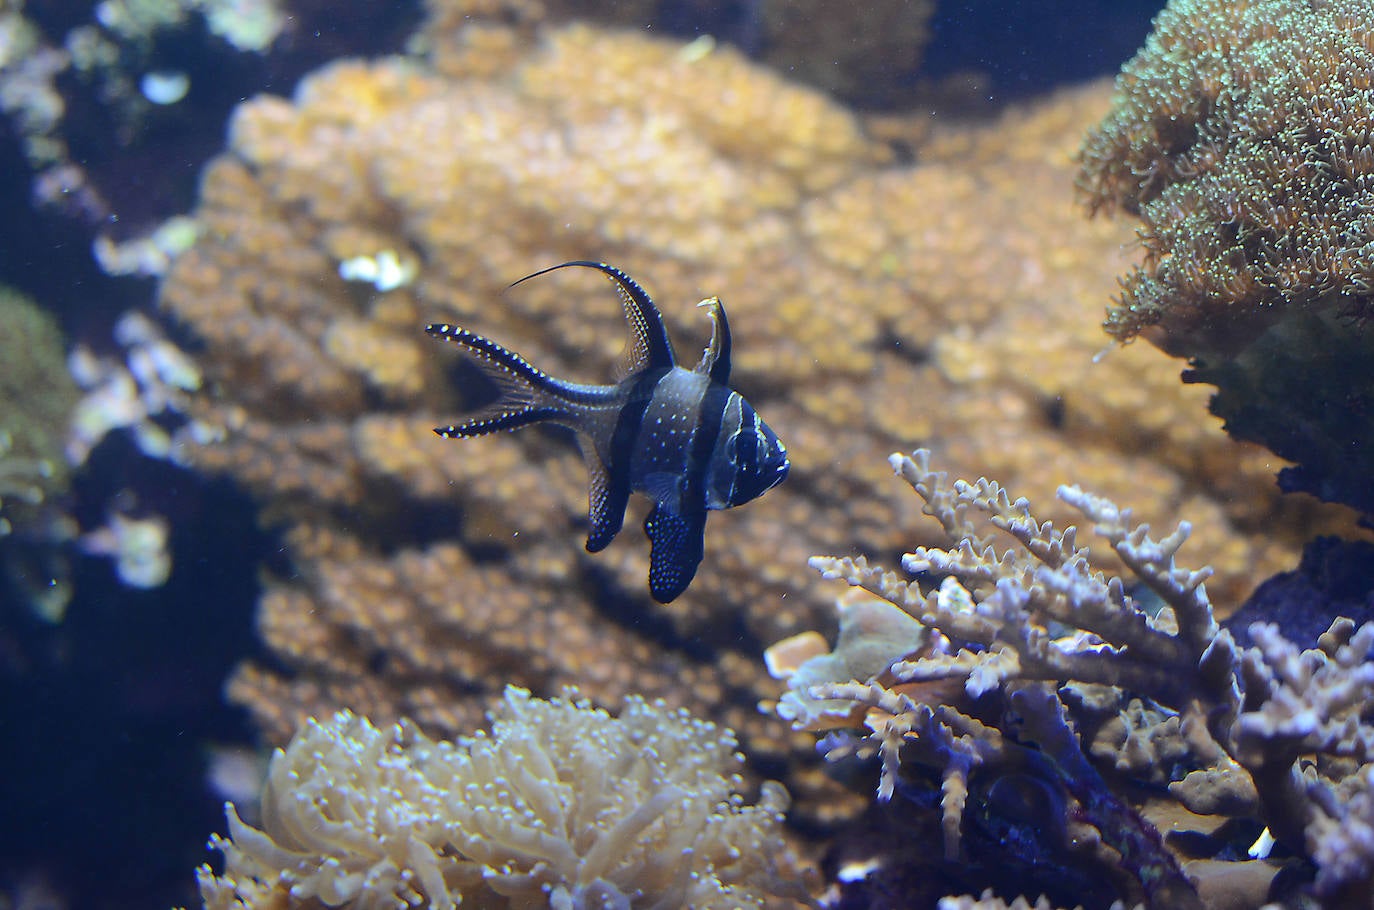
870,304
1242,136
408,634
560,805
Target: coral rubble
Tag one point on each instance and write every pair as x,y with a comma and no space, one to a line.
1012,650
1240,136
560,805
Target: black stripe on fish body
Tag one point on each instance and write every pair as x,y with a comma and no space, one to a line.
721,473
710,420
676,528
607,507
748,459
746,451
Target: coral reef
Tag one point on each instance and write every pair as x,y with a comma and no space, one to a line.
1021,648
560,805
870,303
1240,136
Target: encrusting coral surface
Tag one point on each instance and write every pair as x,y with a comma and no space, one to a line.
559,806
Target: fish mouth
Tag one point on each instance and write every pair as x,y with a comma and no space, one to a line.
780,474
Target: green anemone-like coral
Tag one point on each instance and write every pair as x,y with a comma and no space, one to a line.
560,806
36,395
36,398
1242,136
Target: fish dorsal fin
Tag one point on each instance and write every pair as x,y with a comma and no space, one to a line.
649,347
715,360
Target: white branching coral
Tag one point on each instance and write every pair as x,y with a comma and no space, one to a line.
1015,626
560,806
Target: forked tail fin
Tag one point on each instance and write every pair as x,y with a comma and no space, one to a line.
528,394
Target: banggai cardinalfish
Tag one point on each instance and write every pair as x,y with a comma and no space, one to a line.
682,437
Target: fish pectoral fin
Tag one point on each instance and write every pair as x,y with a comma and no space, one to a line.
677,544
715,360
664,488
605,507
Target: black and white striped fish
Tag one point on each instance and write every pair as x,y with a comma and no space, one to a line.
682,437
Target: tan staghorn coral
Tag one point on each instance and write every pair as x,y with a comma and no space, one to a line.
1242,137
870,304
560,805
1007,638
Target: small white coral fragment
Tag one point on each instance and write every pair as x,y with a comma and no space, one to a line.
386,271
150,255
138,547
154,381
873,634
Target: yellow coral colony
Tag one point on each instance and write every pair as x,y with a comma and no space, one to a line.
560,806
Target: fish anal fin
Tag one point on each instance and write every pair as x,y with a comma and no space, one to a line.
499,418
715,360
606,506
677,544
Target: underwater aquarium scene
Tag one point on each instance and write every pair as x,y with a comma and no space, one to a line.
713,454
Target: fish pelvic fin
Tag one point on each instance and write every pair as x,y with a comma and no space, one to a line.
649,346
676,546
528,394
606,504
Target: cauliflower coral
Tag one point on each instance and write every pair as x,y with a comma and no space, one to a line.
560,805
